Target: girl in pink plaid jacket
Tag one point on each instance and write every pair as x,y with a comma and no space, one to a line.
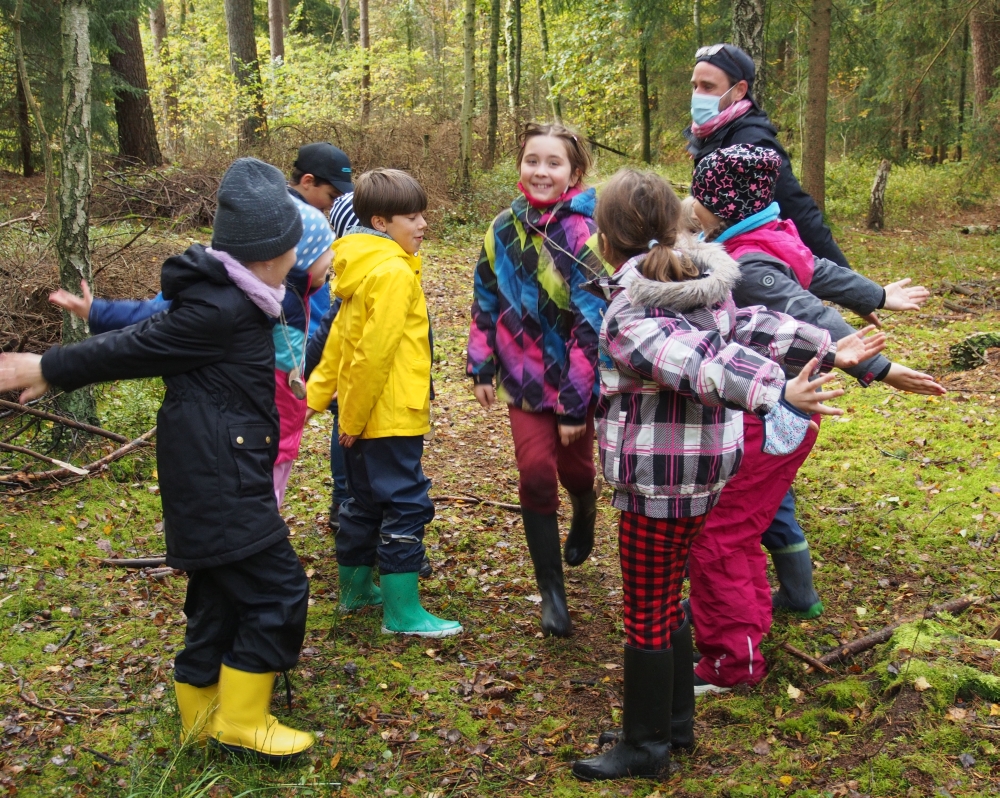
679,367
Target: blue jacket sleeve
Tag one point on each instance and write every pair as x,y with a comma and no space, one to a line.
114,314
314,350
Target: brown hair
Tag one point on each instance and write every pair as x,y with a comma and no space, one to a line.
387,193
639,212
689,222
576,147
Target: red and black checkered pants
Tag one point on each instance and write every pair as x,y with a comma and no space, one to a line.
654,552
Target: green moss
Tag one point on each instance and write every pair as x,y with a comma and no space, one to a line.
845,693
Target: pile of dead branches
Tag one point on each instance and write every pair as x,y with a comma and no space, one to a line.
185,197
971,296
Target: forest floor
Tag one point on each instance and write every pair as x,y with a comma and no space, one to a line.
900,501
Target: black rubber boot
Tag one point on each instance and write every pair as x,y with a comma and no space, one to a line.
426,569
796,592
580,542
682,704
542,533
644,748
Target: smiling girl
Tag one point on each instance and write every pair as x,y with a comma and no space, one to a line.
534,329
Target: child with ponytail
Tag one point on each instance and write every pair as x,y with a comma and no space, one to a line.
678,362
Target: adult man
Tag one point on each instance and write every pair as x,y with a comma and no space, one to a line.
724,112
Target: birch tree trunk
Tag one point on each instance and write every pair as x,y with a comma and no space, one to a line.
814,135
133,110
469,93
547,63
36,112
168,102
158,26
492,112
984,27
696,18
647,155
276,28
748,35
245,67
366,69
73,242
512,37
345,21
876,204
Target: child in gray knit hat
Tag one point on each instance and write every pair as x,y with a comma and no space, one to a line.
217,437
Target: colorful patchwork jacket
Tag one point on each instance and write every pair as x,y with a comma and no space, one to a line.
534,325
679,362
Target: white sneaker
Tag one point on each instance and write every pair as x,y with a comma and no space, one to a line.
701,687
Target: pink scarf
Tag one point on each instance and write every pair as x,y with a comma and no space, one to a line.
534,202
734,111
779,239
266,297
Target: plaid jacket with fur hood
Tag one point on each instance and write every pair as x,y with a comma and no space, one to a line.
679,362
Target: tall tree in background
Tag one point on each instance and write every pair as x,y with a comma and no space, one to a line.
244,65
366,67
814,135
748,35
345,21
696,18
43,137
984,27
24,129
962,91
646,132
276,25
492,112
133,110
73,242
512,36
161,50
469,93
550,80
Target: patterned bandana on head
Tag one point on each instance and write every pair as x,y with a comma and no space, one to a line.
736,182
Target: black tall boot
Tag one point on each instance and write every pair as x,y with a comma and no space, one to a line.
682,704
580,542
542,533
644,748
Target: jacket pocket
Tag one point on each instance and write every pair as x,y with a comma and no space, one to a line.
417,385
252,445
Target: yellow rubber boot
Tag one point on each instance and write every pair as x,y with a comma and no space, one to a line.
243,723
196,705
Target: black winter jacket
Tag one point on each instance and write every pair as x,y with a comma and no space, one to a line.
756,129
217,429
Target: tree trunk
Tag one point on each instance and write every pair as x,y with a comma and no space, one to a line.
469,94
276,28
550,80
366,69
876,206
748,34
245,67
168,102
158,26
24,129
984,26
286,14
696,15
644,102
345,21
492,112
814,138
133,111
36,112
962,85
73,242
512,36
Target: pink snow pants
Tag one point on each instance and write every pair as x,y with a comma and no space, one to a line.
730,594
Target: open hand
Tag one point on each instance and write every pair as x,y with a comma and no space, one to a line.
485,395
78,306
568,433
801,393
858,347
905,379
22,370
898,296
347,441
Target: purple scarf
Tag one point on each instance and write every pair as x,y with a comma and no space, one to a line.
264,296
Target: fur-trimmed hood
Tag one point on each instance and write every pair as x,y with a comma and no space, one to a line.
719,274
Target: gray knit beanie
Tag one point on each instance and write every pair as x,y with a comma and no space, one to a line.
256,218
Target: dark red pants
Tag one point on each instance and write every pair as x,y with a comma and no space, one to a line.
654,552
543,463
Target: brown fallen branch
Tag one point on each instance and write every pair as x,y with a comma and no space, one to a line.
811,661
137,562
82,712
958,289
956,307
30,218
477,500
10,447
841,653
92,468
66,422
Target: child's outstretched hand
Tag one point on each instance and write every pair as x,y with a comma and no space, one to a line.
22,370
906,379
802,393
898,296
858,347
78,306
568,433
485,395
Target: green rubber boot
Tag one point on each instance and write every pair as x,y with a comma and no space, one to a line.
357,590
402,613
